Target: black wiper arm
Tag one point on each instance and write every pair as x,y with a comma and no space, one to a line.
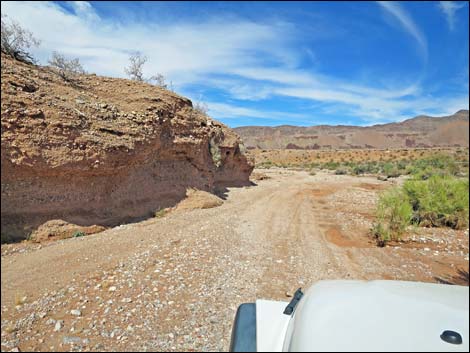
293,303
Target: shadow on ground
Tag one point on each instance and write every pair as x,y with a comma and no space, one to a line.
461,278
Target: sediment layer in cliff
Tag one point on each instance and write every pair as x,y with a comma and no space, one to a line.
103,150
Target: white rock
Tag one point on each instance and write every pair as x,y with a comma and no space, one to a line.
76,312
58,325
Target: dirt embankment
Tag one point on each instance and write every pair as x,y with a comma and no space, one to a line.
103,150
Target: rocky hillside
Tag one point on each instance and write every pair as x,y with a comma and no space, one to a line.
103,150
421,131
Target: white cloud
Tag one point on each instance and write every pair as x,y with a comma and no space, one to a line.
406,22
229,111
247,60
449,8
174,49
84,10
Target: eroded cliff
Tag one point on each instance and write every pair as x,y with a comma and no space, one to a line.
103,150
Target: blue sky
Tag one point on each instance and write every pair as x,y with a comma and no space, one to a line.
274,63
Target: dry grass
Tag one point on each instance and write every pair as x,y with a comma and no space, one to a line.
20,299
160,213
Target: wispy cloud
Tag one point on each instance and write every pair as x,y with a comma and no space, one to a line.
231,111
173,49
406,22
449,8
84,10
247,62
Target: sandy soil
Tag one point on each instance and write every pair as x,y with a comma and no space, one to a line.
174,283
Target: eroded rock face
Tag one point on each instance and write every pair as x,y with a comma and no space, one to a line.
103,150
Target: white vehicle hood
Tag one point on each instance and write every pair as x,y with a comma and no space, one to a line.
367,316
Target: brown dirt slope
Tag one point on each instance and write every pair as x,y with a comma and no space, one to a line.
421,131
103,150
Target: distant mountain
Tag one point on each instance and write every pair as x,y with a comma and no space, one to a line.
421,131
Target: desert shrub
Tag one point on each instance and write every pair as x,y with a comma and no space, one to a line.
312,172
267,164
424,168
65,68
387,168
214,151
15,40
330,165
158,80
358,169
135,71
136,64
78,234
441,200
394,172
161,212
364,168
341,171
201,107
394,214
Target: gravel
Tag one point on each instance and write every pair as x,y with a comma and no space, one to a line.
174,283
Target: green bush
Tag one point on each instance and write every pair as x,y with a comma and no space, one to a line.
365,168
440,164
394,214
394,172
78,234
330,165
441,200
358,169
161,212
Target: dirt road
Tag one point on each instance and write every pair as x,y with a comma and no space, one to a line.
174,283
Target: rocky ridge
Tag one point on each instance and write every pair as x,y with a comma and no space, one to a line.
419,132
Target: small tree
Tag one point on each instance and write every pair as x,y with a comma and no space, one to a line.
15,40
159,80
201,107
134,70
66,68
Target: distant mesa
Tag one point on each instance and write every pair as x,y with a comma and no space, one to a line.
421,131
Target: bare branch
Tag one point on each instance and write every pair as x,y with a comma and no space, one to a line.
15,40
159,80
65,68
134,70
201,108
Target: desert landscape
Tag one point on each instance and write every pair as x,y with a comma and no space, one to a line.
172,279
132,220
421,131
